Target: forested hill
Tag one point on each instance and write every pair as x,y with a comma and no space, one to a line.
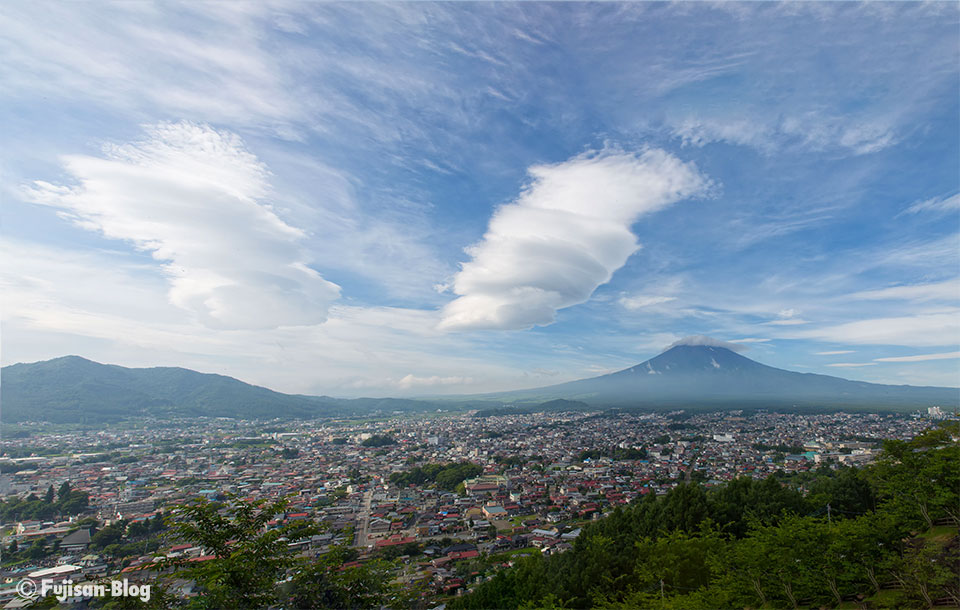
76,390
889,538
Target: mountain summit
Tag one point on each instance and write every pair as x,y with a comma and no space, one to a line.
705,373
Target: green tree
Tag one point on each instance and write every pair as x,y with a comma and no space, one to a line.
161,598
248,557
112,534
918,481
38,550
680,560
73,503
928,572
847,491
325,583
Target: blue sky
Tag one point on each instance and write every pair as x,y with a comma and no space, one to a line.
420,198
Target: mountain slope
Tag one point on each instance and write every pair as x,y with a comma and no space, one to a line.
76,390
699,375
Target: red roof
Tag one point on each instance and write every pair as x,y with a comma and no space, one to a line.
454,555
394,541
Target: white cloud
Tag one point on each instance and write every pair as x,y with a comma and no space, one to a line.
852,364
936,204
640,301
926,254
750,340
53,304
811,130
920,358
704,130
195,199
836,352
412,381
565,235
787,322
922,330
948,290
708,342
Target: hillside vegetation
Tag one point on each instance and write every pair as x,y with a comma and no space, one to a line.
883,536
76,390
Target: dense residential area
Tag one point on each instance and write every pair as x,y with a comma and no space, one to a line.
434,507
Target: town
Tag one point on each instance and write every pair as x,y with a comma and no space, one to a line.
450,498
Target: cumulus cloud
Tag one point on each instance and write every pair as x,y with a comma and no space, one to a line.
565,235
708,342
195,199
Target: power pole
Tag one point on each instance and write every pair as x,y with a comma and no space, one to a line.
662,597
829,520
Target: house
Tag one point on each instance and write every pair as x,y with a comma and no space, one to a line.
93,565
76,542
494,512
56,574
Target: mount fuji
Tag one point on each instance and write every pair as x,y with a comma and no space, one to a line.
710,375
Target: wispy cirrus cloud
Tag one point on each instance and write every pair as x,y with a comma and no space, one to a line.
920,357
948,290
937,205
564,236
851,365
640,301
921,330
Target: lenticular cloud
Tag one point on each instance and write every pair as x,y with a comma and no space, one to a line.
194,198
565,235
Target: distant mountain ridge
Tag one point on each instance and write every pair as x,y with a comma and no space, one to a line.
707,375
72,389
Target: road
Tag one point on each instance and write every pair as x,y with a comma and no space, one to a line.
364,530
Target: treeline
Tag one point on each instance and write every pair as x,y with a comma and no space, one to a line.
781,447
763,543
379,440
66,502
445,476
